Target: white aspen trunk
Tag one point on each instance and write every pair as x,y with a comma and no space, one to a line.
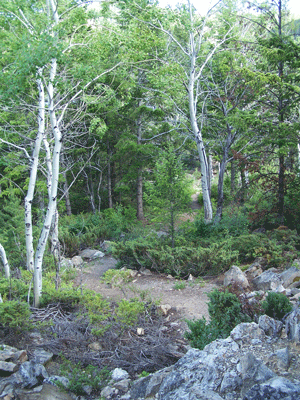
53,192
208,214
5,262
33,174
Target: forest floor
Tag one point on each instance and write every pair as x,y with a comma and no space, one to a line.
188,299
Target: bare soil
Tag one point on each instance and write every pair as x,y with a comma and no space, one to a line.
188,302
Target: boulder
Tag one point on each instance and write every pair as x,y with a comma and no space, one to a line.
292,325
253,371
254,270
247,332
270,326
277,388
235,276
77,261
119,374
268,280
91,254
290,276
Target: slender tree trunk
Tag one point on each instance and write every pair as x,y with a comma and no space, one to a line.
232,177
110,202
281,190
66,187
33,174
53,193
220,202
139,182
210,173
5,262
199,142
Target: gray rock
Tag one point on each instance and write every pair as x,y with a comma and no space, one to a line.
276,388
108,392
270,326
41,356
283,358
48,392
235,276
254,270
122,385
268,280
290,276
292,325
32,374
77,261
119,374
57,380
253,371
91,254
7,367
247,332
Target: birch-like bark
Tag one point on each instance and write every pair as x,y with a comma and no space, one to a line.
5,262
53,192
33,174
208,213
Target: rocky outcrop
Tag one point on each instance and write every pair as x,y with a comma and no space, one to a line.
247,365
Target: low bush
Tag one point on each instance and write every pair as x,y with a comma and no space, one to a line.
179,261
225,311
276,305
15,315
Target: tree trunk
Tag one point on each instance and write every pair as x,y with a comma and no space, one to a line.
281,190
110,202
53,193
199,142
232,177
33,174
5,262
220,202
139,181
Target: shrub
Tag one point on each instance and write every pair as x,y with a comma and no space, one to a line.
80,376
13,289
15,315
201,333
179,261
225,312
276,305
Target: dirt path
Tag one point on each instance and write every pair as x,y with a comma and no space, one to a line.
189,302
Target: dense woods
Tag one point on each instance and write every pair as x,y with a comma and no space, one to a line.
107,108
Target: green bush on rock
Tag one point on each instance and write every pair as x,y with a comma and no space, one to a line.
276,305
225,312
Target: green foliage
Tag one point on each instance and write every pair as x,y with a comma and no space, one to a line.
170,191
234,222
179,285
201,333
14,289
276,305
86,230
12,235
80,376
181,260
117,277
128,311
15,315
225,312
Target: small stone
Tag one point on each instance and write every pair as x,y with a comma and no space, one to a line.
140,331
119,374
165,308
95,346
77,261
